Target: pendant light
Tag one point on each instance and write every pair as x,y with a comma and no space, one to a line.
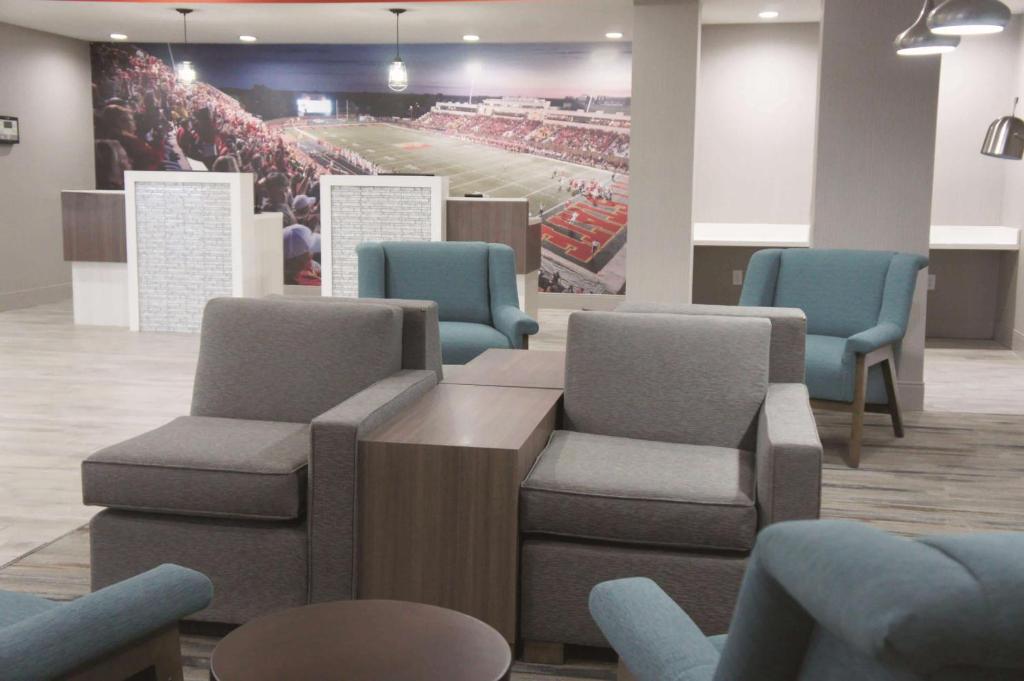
185,71
969,17
918,40
1005,137
398,76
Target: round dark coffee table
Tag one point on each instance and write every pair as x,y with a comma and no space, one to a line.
363,641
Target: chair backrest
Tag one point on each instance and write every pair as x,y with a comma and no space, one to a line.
277,360
672,378
842,292
789,332
841,601
453,274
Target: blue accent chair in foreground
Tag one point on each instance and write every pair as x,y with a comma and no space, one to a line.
838,601
473,284
127,630
857,305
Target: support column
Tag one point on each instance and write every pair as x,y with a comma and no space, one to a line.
666,56
875,152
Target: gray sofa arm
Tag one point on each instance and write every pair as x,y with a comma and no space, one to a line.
653,636
63,638
788,456
789,332
331,506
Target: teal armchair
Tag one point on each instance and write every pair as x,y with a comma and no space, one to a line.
857,305
837,601
473,284
127,630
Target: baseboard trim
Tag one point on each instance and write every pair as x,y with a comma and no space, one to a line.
30,297
1017,341
911,395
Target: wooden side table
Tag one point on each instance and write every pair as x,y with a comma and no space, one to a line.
362,641
513,369
438,499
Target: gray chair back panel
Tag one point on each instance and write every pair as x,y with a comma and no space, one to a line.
673,378
282,360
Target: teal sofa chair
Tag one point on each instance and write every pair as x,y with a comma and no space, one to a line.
838,601
128,630
473,284
857,305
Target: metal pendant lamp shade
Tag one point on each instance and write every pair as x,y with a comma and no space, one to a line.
969,17
918,40
398,75
1005,137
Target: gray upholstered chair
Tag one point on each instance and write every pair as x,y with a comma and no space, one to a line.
256,488
675,451
838,601
128,630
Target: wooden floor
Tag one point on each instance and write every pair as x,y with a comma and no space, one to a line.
71,390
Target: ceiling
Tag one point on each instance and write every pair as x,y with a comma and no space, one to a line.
368,22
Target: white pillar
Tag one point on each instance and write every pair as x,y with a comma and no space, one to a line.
666,56
875,152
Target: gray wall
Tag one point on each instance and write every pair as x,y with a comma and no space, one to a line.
45,83
755,123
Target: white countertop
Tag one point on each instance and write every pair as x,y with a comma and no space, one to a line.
943,237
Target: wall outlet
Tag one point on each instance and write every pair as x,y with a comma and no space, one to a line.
931,282
737,277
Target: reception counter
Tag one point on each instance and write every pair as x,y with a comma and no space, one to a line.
149,258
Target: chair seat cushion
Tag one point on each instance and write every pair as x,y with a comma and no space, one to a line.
205,466
462,341
642,492
830,373
15,607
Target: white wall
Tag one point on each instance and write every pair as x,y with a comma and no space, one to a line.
976,86
46,83
755,123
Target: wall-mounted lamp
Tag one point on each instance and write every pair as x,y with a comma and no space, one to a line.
1005,137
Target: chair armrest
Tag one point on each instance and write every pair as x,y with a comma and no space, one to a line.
331,510
874,338
654,637
514,323
63,638
788,456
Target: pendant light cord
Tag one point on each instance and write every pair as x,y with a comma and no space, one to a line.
184,21
398,41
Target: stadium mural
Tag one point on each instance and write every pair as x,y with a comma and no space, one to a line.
549,122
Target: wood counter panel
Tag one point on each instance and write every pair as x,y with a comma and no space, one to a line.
496,221
94,226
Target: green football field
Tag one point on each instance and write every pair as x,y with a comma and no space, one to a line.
470,167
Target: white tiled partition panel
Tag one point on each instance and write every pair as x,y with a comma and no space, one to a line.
374,208
184,244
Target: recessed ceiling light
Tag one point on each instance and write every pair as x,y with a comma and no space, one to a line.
768,14
247,38
471,38
613,35
118,36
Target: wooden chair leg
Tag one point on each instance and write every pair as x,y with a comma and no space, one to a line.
860,389
622,673
526,342
157,657
892,392
542,652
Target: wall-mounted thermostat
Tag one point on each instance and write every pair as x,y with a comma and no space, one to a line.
9,130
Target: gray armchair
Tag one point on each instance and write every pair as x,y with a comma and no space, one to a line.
838,601
256,488
675,451
128,630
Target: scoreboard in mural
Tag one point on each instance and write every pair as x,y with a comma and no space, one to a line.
549,122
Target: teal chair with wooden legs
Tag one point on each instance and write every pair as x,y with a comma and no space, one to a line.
857,305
